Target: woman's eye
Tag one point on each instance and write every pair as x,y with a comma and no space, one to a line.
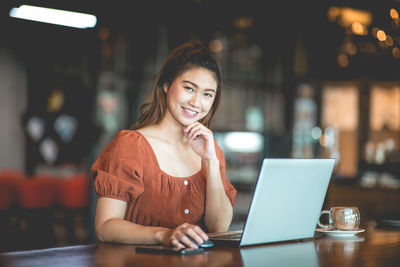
208,95
189,88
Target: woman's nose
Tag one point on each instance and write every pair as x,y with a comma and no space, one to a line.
195,100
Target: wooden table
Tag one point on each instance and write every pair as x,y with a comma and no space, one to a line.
374,247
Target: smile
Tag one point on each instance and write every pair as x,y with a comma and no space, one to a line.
189,112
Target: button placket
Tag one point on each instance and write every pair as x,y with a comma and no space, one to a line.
186,211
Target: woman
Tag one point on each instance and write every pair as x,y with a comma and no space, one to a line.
163,181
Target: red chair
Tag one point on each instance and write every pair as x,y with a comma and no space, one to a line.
9,179
73,200
74,191
38,192
7,194
36,199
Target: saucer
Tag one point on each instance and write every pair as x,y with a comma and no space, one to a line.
339,233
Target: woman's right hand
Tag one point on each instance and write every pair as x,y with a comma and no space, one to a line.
179,237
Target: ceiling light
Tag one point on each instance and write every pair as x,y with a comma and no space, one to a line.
54,16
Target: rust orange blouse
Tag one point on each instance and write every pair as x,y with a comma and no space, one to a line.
127,169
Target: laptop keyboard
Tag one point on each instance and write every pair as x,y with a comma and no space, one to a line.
229,236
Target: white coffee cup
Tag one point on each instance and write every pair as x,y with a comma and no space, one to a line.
341,218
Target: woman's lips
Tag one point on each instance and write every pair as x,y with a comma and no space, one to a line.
190,113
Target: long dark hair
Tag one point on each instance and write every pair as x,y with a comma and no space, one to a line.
183,58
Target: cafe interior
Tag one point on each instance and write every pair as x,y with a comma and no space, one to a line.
301,79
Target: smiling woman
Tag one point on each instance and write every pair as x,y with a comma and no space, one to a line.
163,181
191,95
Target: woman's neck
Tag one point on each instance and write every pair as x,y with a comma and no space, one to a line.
170,129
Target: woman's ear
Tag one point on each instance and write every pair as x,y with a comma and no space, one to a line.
165,87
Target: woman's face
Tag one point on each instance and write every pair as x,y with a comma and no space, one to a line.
191,95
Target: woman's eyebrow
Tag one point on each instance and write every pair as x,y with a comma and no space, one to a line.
192,83
195,85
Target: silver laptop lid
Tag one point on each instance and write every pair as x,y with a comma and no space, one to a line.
287,200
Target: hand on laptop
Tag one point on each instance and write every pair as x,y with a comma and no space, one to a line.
181,236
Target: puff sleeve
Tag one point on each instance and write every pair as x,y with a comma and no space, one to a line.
117,172
229,189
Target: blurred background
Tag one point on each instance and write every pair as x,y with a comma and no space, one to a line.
302,79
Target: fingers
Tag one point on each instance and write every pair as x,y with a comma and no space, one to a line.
196,129
194,236
200,232
186,235
188,242
180,240
190,126
177,244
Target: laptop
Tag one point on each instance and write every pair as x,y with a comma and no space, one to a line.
286,203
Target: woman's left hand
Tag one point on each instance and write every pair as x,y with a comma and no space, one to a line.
201,139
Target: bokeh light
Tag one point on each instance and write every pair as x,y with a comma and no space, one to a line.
343,60
216,45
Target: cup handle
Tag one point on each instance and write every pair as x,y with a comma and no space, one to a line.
321,224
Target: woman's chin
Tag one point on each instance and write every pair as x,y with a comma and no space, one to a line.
187,123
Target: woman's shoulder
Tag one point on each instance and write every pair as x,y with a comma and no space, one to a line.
127,142
128,135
